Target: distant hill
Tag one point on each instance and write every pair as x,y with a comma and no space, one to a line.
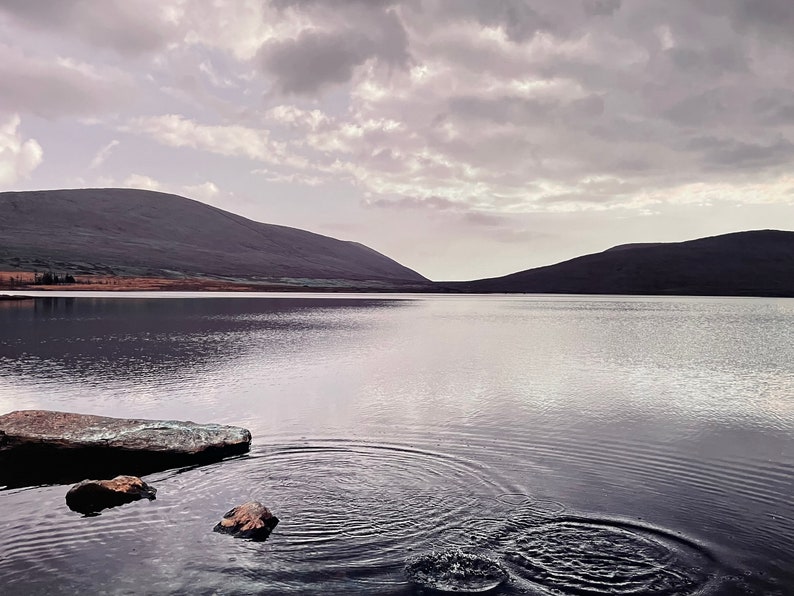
754,263
143,233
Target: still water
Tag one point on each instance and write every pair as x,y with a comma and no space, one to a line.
585,445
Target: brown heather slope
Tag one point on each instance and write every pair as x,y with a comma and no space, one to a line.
753,263
138,233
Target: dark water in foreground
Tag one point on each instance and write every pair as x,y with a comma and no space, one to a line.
583,445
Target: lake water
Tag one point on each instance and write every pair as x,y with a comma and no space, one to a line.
587,445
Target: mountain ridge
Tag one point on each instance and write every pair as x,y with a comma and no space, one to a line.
747,263
130,233
141,232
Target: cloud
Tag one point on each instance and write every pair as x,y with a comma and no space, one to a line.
213,77
177,131
103,154
299,119
320,57
18,157
776,108
292,178
510,107
126,26
141,181
314,60
770,19
732,154
602,7
515,108
456,215
61,87
436,203
205,192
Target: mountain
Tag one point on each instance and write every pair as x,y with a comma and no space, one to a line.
132,232
754,263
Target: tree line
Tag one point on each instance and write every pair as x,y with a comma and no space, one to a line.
48,278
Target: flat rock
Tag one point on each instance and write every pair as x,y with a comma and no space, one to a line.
250,520
92,496
42,446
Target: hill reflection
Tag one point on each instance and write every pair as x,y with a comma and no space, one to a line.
101,339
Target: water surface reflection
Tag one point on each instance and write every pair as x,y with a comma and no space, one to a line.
589,445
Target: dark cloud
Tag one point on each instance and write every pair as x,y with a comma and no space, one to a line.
698,110
730,153
519,20
602,7
314,60
766,17
318,58
711,62
776,108
124,26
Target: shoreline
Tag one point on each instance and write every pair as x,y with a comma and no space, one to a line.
10,282
91,284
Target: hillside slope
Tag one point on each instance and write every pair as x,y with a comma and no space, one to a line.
753,263
139,232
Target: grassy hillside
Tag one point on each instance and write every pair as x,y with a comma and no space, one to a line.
138,232
754,263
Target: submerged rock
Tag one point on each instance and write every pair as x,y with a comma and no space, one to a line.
41,446
456,571
250,520
91,496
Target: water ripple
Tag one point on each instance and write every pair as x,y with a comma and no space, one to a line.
582,556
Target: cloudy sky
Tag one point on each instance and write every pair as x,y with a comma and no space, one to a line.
463,138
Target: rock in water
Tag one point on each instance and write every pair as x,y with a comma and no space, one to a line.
91,496
250,520
41,446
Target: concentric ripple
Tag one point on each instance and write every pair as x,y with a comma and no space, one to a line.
351,511
577,556
387,495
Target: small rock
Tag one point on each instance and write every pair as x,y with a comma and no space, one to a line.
91,496
250,520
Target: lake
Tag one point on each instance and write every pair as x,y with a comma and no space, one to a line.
587,445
